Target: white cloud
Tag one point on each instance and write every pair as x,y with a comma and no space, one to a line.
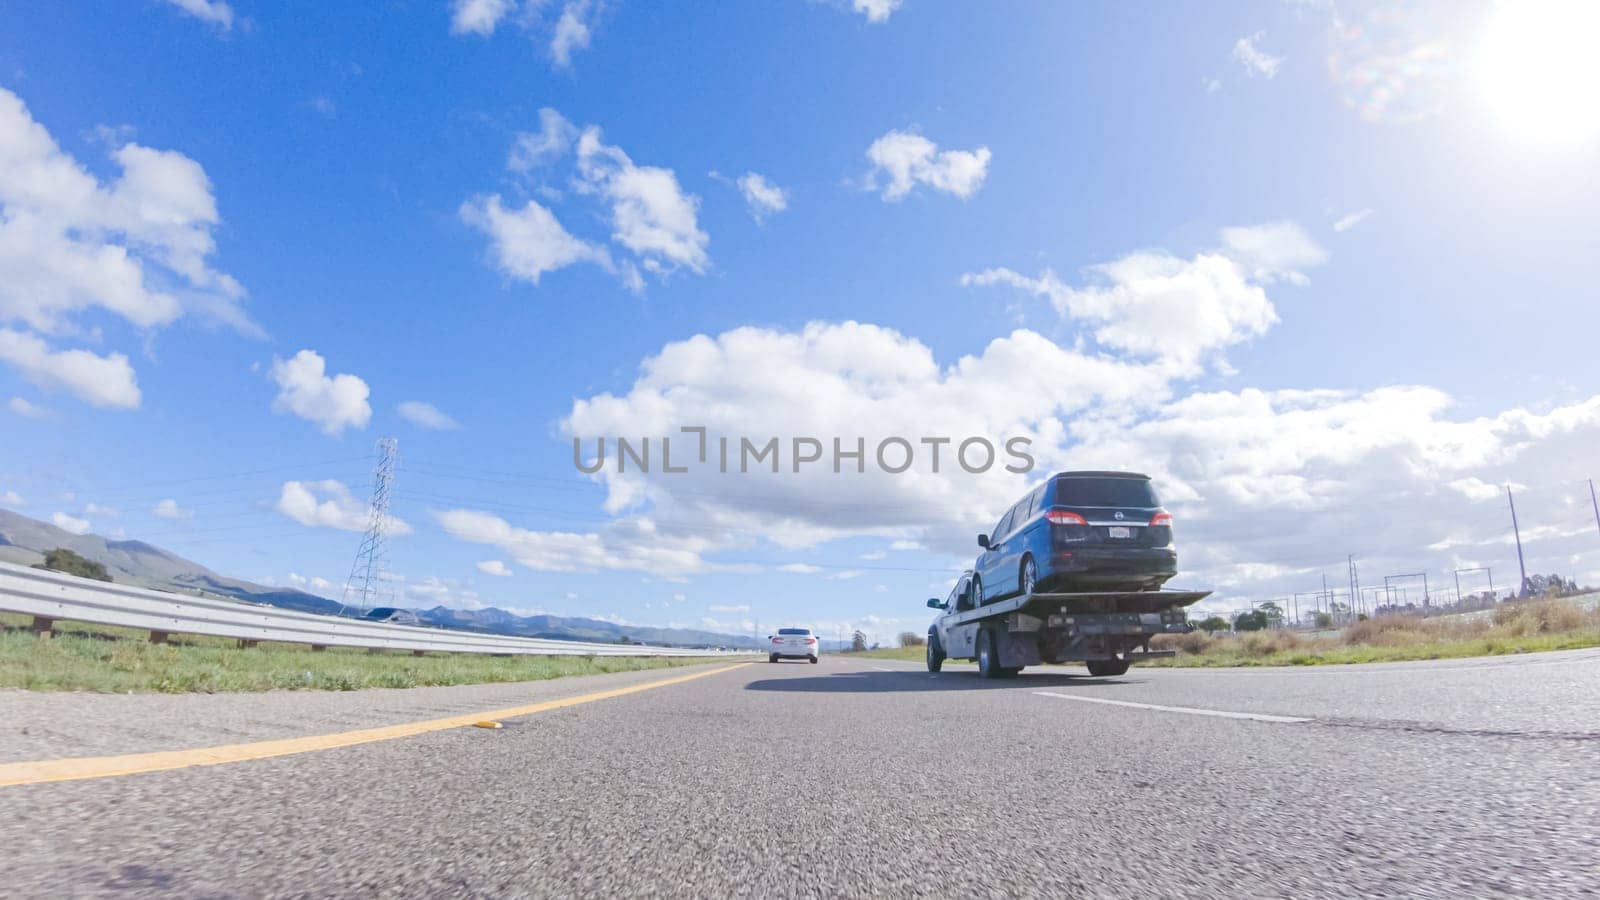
214,12
12,498
137,247
906,545
426,415
1211,85
529,242
1255,62
1157,306
651,214
876,11
800,568
478,16
728,609
494,567
104,381
169,509
909,159
22,407
70,523
317,585
95,509
532,150
572,31
634,545
1352,220
333,403
762,196
329,504
1274,250
652,218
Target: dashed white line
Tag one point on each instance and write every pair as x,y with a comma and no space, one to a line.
1188,710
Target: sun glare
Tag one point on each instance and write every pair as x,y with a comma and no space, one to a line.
1539,68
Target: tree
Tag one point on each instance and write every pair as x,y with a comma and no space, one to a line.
1273,612
63,560
912,639
1254,620
1212,624
1322,619
858,642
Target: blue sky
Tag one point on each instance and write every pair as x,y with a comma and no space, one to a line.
1408,245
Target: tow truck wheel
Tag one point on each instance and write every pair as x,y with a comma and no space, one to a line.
988,656
935,652
772,657
1107,668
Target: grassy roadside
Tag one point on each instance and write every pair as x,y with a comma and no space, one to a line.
117,660
1521,628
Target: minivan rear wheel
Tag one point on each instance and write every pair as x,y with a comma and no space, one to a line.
1029,579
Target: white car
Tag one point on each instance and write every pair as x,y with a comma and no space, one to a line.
793,643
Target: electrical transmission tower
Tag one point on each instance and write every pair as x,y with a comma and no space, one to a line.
367,574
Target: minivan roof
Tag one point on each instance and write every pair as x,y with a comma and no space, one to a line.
1096,474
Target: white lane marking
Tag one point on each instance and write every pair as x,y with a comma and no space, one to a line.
886,669
1190,710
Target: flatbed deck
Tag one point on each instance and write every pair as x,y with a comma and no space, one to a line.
1084,603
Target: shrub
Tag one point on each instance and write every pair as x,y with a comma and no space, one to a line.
912,639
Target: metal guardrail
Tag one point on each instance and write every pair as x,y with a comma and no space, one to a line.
54,596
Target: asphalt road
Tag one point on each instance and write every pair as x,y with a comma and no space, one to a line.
860,777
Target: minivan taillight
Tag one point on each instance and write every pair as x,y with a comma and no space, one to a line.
1161,518
777,640
811,640
1062,517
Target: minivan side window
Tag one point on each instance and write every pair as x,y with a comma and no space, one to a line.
1033,502
1003,526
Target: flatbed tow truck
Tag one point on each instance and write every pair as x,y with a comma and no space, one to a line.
1107,630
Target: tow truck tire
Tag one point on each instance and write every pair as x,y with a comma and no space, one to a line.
935,652
989,656
772,657
1107,668
813,660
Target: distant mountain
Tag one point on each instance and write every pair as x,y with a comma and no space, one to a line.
24,541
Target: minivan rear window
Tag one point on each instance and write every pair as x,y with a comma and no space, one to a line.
794,631
1135,492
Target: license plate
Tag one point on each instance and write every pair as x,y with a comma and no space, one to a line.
1121,531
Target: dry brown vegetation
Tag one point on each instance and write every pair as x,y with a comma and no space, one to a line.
1513,628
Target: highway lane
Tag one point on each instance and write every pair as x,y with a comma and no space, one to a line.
858,777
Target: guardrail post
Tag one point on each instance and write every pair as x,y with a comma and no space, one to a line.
43,626
374,651
159,637
245,644
417,652
318,648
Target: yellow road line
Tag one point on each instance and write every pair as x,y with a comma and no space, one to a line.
77,768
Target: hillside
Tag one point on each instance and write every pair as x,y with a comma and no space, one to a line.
24,540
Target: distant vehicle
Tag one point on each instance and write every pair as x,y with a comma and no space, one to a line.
393,616
793,643
1079,531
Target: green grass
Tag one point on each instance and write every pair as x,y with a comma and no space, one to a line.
1531,627
120,660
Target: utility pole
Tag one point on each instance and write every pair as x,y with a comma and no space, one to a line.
370,569
1355,586
1522,567
1595,503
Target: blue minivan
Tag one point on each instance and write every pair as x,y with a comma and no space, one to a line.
1079,531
